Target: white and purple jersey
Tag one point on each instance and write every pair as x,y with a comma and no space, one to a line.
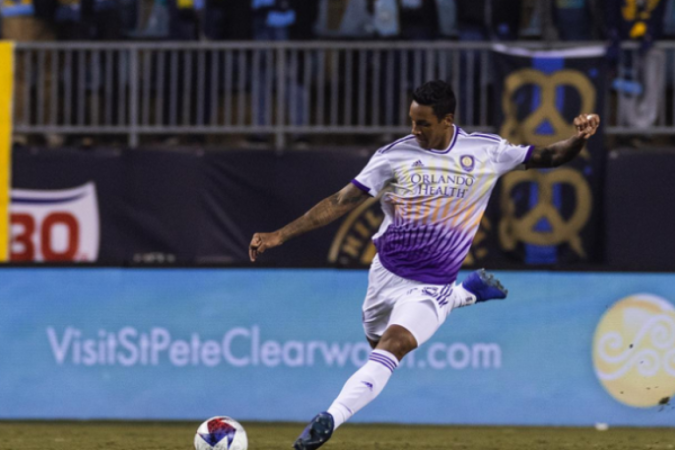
434,200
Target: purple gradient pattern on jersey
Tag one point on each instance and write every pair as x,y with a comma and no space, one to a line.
425,253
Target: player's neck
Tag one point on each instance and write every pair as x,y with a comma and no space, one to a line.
448,138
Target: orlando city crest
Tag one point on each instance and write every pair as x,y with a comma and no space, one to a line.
467,162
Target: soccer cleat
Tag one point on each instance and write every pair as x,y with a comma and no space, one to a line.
484,286
317,433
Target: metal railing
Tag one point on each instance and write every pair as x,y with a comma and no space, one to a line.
262,88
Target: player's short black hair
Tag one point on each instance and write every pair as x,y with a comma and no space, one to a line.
439,95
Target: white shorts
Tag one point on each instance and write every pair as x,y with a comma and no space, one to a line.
421,308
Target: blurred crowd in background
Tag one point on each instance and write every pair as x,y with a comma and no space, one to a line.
467,20
543,21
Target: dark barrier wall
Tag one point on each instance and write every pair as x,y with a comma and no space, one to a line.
144,203
122,207
194,207
640,209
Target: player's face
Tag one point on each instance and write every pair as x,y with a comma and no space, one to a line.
429,131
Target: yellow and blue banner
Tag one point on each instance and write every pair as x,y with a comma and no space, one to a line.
13,8
6,97
550,216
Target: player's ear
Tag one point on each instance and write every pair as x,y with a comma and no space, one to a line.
449,119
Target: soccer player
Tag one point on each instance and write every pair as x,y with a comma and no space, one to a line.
434,186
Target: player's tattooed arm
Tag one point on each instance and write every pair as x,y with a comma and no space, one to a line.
323,213
561,152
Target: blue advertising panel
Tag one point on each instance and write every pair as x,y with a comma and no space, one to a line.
563,349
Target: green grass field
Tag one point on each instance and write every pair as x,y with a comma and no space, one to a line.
42,435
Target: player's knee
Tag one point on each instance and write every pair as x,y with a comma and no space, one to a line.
398,341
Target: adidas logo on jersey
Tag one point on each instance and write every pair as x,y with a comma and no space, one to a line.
418,163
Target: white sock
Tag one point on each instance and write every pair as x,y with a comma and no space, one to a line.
462,297
363,386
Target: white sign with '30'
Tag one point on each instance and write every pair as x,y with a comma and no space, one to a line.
55,225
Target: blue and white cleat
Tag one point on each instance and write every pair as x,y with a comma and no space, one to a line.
484,286
317,433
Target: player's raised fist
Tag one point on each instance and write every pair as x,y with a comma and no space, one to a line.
261,242
586,125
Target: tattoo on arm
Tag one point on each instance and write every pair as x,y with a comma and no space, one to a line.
336,200
325,212
556,154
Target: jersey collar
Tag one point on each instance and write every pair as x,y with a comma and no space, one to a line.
455,132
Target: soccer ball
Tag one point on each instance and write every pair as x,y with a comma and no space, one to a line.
221,433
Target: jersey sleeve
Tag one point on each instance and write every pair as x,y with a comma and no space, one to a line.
506,156
375,176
